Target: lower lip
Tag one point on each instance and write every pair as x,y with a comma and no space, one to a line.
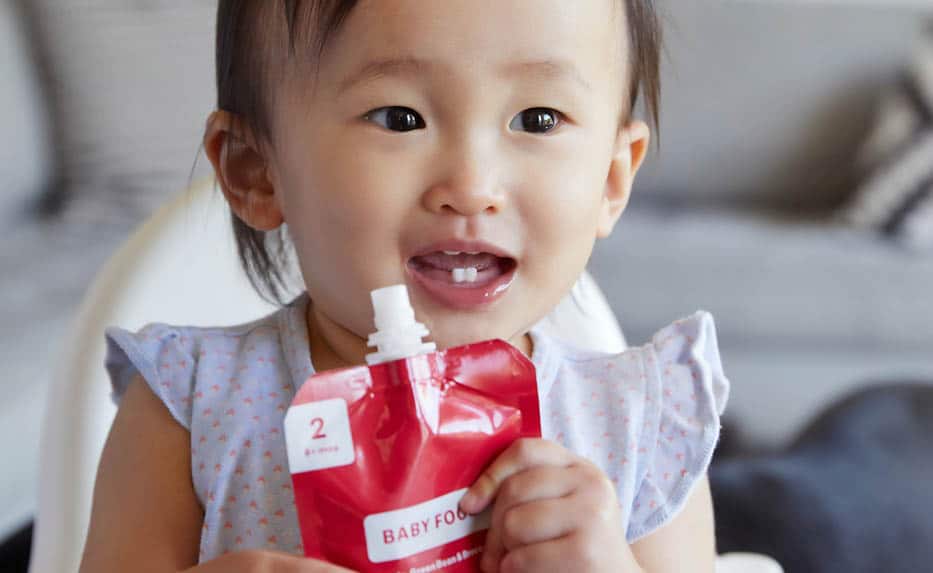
463,296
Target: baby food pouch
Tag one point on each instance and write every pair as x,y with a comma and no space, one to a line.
381,455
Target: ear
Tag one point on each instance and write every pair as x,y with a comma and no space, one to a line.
242,171
631,147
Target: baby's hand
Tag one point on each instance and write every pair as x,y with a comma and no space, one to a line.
552,511
265,562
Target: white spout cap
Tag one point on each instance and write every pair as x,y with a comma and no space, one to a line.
397,334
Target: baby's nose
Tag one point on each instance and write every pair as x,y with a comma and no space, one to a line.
469,188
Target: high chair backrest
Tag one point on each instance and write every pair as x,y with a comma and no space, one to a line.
180,267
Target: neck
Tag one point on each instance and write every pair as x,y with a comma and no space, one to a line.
333,346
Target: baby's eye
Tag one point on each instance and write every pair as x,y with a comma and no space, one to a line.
396,118
536,120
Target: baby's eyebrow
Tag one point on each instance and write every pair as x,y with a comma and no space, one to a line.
404,66
546,69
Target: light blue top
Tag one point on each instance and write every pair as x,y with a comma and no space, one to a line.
649,417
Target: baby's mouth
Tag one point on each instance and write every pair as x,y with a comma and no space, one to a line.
464,269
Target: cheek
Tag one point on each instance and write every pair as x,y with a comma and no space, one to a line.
341,199
563,209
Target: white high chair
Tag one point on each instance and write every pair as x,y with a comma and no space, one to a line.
181,267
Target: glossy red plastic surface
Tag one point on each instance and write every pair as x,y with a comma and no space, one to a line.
422,428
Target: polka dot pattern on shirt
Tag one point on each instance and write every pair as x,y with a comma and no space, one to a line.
648,417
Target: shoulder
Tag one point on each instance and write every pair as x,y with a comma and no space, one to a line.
653,410
157,347
688,396
175,360
681,358
193,338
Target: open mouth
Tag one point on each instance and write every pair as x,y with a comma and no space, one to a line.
463,279
468,269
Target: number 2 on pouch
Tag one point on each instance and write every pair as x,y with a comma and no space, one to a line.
318,425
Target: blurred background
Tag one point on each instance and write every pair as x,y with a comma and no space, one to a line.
791,196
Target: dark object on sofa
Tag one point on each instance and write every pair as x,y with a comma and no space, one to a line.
853,493
14,551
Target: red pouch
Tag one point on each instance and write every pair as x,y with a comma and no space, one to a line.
380,456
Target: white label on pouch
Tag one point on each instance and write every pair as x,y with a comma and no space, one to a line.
394,535
317,435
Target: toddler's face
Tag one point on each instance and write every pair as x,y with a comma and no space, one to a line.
440,129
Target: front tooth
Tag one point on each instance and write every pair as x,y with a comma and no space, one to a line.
473,252
452,253
465,275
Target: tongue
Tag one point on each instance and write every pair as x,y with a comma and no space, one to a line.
446,262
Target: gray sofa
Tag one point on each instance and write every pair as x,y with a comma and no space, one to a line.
764,106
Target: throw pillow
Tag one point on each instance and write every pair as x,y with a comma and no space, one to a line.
896,195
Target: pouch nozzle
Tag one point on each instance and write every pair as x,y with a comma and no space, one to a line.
398,335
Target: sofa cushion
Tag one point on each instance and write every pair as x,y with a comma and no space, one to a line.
132,84
24,158
805,311
772,281
896,194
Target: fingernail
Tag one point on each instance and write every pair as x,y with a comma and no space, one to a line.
470,502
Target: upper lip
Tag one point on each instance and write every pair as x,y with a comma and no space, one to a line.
463,246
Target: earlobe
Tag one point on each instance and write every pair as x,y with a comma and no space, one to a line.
242,171
631,148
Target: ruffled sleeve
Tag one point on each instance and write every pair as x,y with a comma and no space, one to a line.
164,356
685,396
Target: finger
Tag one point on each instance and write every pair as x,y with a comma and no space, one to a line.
294,564
535,484
521,455
519,490
540,482
322,567
556,555
492,551
254,561
540,521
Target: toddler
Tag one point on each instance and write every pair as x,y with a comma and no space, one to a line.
473,150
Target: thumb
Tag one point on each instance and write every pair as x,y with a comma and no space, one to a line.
308,565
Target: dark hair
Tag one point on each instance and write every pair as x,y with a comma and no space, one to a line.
247,56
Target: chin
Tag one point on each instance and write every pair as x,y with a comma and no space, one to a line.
454,331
